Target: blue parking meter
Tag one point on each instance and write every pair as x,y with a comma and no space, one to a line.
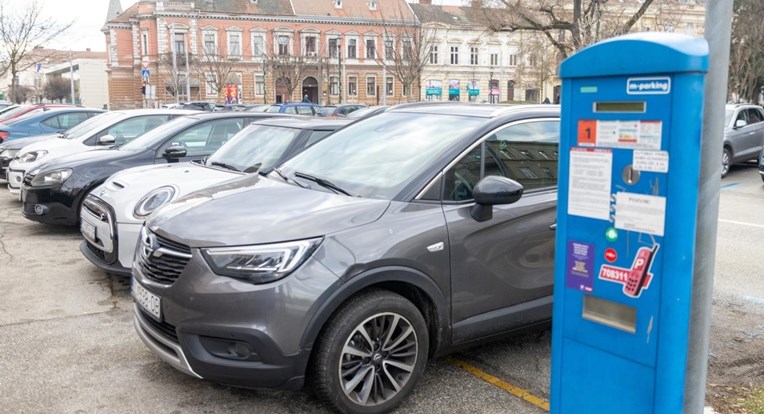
626,223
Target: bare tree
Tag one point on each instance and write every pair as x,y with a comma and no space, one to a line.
406,51
24,30
745,78
289,69
56,89
569,25
217,68
537,66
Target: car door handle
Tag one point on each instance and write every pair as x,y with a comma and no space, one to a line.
553,226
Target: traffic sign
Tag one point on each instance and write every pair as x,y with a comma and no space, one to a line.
145,73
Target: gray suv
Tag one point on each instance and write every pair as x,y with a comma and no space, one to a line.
743,135
398,238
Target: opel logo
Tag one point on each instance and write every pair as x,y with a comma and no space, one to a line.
151,246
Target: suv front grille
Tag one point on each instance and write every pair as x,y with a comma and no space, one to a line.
160,259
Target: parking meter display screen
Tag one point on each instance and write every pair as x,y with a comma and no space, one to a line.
638,107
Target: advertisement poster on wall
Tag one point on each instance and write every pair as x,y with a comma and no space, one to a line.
454,89
433,90
494,91
232,94
473,90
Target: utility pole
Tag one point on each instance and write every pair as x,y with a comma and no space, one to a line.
71,76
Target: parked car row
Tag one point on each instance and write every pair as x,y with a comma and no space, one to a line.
273,250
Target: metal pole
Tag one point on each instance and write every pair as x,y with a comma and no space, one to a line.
71,76
188,74
175,62
339,70
717,32
385,83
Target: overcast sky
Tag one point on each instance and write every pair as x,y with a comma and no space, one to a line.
89,16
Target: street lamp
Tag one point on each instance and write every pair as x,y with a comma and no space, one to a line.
339,69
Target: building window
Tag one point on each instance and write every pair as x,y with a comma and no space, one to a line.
389,86
434,55
333,86
211,84
258,45
179,43
260,85
351,49
513,60
454,57
283,42
407,49
352,86
210,44
371,86
144,43
389,49
234,44
333,47
371,52
493,59
310,45
473,55
405,90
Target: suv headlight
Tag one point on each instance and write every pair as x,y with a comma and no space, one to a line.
52,177
8,153
152,201
262,263
32,156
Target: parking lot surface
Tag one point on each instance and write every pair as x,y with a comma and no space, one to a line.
69,345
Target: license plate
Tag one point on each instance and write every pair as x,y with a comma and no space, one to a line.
149,301
88,230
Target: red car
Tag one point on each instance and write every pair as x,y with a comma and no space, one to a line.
30,109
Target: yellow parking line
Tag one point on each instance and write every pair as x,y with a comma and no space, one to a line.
504,385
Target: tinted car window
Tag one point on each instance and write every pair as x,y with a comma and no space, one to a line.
377,158
69,120
754,115
207,137
316,136
528,153
127,130
304,110
290,110
273,108
259,146
741,116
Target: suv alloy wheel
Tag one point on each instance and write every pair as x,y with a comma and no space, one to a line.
371,354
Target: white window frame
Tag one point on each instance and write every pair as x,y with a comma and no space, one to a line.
210,80
433,55
288,45
512,60
494,59
392,89
348,41
145,43
205,50
260,87
257,39
454,55
233,53
366,49
315,44
366,85
334,87
356,85
389,48
474,55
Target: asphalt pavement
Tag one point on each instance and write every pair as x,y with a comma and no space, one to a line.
68,343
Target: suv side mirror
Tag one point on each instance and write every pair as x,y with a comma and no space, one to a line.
106,140
175,151
739,123
494,190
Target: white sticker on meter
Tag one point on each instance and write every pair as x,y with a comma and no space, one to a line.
589,183
654,161
644,135
641,213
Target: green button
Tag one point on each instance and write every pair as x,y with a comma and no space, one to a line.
611,234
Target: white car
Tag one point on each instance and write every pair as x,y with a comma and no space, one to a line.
111,128
113,213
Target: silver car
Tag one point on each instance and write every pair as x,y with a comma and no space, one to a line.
743,135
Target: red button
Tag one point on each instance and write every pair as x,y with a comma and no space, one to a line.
610,255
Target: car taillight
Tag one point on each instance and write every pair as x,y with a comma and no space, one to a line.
3,135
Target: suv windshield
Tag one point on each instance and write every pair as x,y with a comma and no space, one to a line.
86,126
158,134
258,146
728,116
378,157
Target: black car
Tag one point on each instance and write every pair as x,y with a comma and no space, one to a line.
53,192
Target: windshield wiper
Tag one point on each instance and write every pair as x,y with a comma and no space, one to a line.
324,183
224,165
285,178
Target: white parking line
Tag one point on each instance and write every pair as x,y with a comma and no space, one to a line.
741,223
